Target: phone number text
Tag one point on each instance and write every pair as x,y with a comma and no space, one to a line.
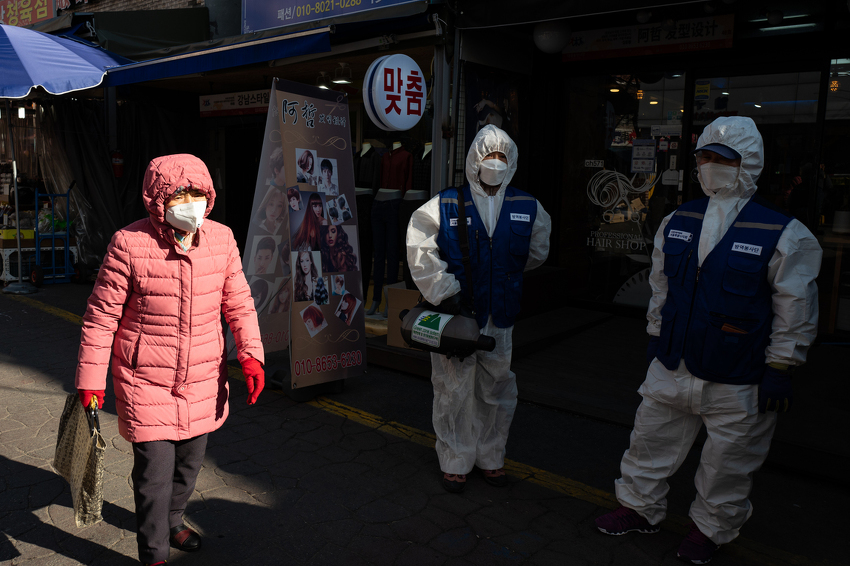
321,364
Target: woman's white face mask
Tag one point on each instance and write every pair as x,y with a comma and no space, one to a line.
714,177
492,172
187,216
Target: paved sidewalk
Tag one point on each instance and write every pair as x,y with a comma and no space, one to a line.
286,483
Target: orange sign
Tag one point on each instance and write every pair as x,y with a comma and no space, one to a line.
25,12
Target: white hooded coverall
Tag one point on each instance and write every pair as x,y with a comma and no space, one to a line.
474,400
676,403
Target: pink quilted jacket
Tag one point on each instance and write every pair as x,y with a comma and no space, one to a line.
156,313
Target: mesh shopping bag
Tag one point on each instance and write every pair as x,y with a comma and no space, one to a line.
79,459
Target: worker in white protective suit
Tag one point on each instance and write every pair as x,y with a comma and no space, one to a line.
734,309
475,399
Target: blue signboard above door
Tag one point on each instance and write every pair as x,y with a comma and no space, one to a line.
258,15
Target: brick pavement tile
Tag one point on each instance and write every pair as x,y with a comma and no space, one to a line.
410,497
455,542
548,557
46,492
458,504
316,508
415,555
363,441
494,552
270,457
14,499
382,511
525,543
302,464
380,551
516,514
253,484
9,423
333,554
416,529
487,527
283,482
337,454
444,519
333,478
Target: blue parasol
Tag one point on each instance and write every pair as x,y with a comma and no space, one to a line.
59,65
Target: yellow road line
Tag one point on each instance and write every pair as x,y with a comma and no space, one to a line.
48,309
741,548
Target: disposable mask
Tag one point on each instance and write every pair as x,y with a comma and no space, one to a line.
715,177
187,216
492,172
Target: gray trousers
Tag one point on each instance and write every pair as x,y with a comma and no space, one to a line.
164,474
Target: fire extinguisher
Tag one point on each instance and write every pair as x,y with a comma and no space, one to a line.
117,164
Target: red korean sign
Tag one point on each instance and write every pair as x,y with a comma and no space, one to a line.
25,12
394,93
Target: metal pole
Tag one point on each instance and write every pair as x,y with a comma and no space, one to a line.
456,64
441,119
19,288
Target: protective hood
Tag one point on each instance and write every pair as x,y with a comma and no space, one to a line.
163,176
739,133
490,139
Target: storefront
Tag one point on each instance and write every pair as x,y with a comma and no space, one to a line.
615,109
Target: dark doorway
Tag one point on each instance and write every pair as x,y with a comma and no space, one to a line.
243,145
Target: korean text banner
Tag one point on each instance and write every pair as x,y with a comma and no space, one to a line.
258,15
328,328
25,12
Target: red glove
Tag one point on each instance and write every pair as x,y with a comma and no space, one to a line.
86,395
255,378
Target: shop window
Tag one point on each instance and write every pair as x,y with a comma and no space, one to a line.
621,177
832,183
784,106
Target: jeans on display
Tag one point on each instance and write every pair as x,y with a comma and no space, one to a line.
164,475
385,241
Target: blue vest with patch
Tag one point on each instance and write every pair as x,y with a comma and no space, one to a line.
498,262
718,317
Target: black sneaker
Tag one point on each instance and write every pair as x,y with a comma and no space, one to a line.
624,520
696,548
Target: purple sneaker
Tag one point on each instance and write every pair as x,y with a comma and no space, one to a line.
696,548
624,520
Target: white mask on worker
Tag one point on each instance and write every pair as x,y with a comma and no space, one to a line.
187,216
492,172
714,177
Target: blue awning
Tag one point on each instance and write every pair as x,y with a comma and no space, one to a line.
234,55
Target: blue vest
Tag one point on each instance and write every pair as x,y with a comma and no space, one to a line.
497,263
718,316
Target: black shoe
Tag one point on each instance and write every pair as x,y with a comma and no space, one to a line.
454,483
496,477
185,539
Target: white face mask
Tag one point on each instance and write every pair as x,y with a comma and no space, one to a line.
187,216
715,177
492,172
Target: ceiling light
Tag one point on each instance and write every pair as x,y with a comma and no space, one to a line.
322,80
639,94
614,90
22,113
653,102
757,105
725,93
342,74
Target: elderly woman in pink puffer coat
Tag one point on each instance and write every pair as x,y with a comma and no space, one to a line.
155,313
